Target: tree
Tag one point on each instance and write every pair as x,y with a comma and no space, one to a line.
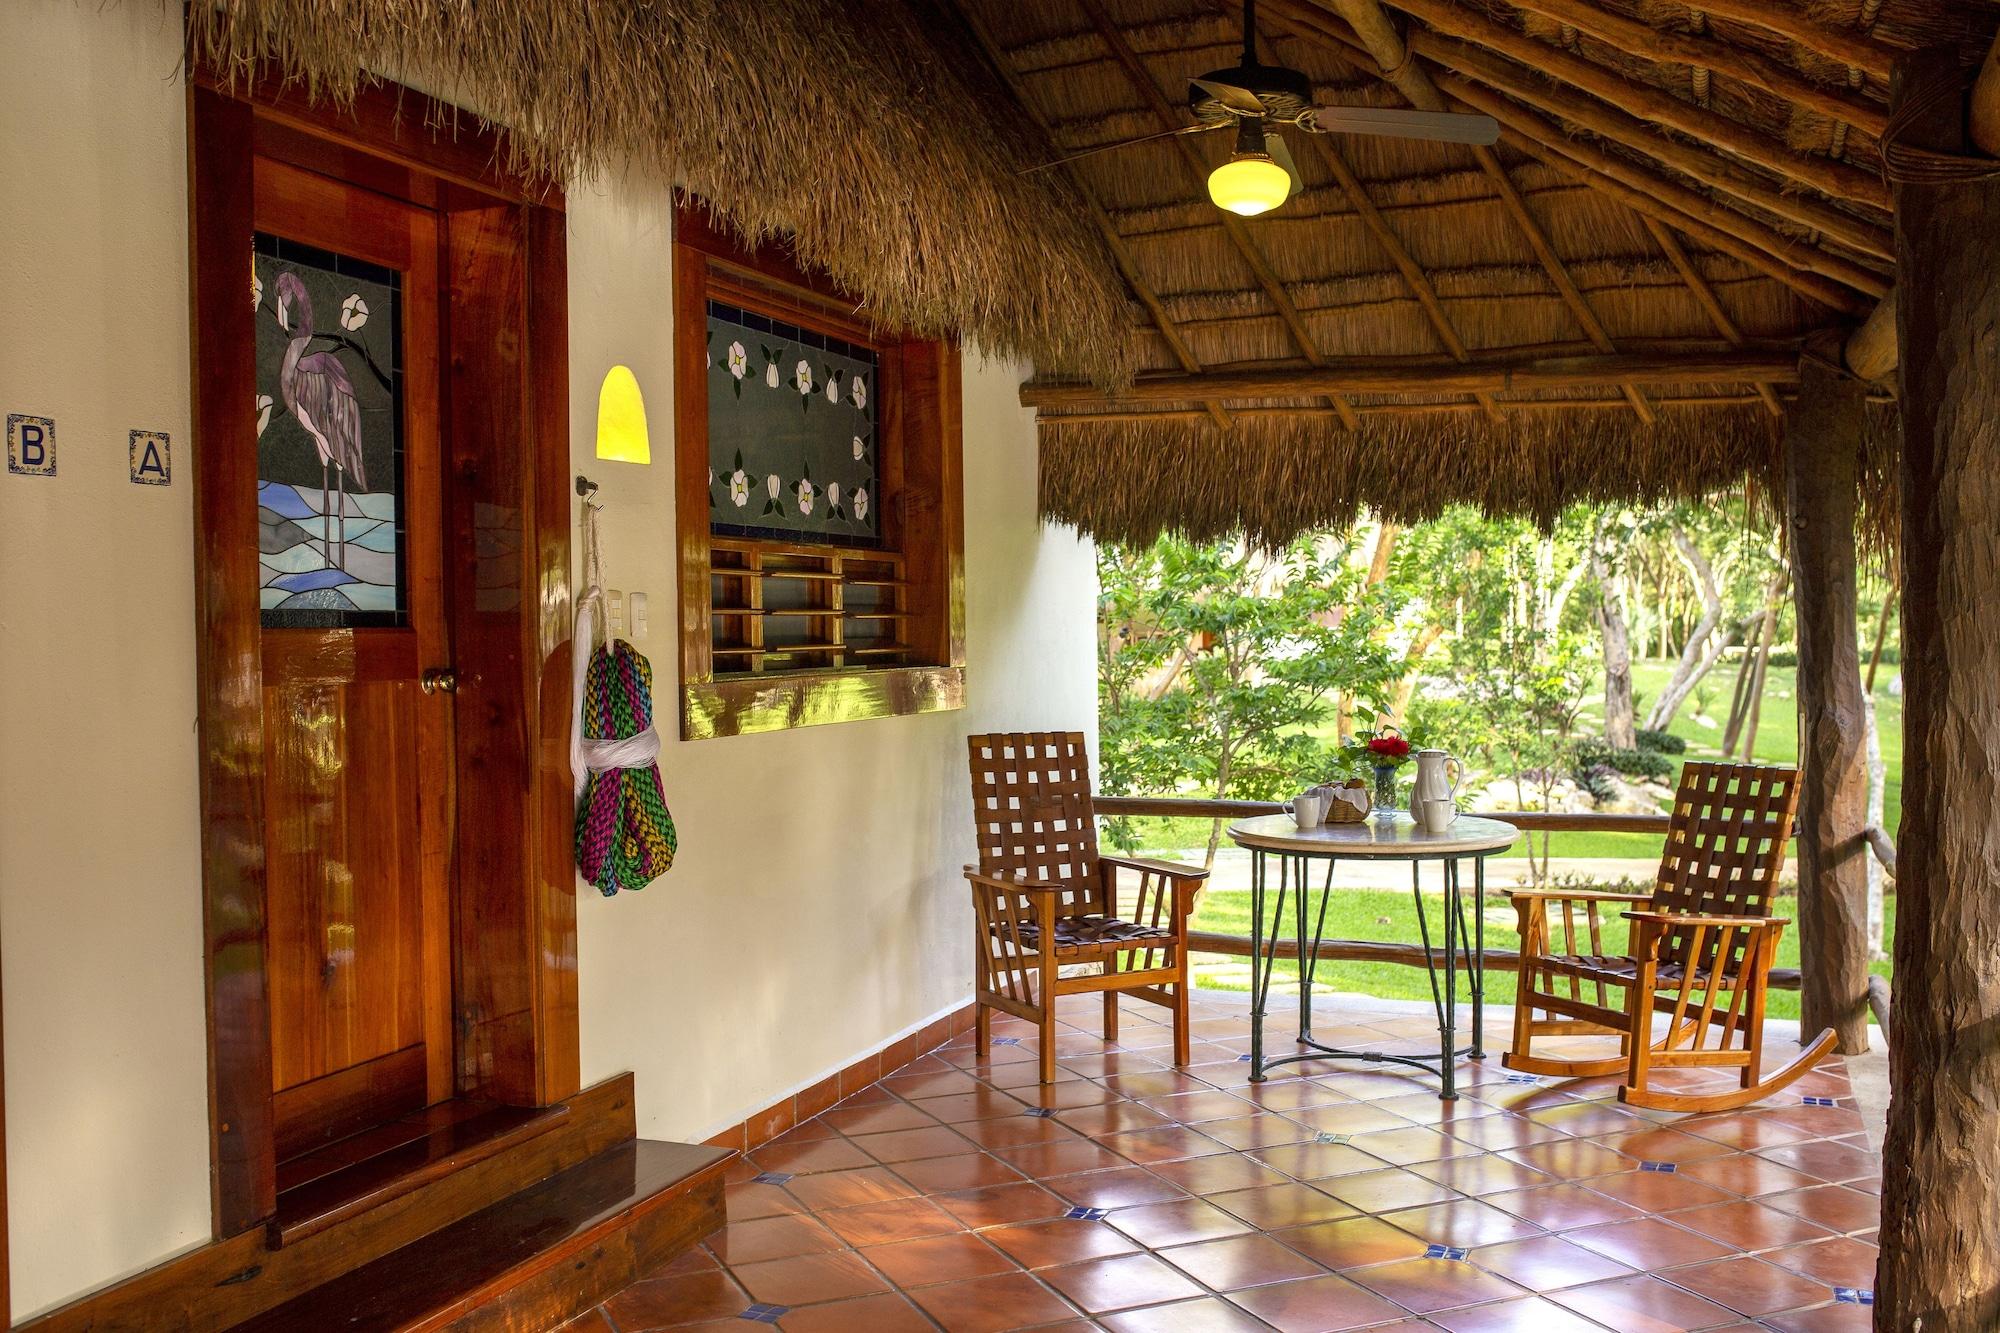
1704,647
1260,660
1612,537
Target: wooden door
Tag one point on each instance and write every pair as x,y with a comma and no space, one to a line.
357,691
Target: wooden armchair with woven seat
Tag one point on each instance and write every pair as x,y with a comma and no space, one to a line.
1045,899
1701,947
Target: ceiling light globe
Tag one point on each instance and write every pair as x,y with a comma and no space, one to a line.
1249,185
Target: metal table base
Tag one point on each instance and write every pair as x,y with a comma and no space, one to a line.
1460,947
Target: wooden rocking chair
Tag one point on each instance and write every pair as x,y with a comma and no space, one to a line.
1701,949
1045,899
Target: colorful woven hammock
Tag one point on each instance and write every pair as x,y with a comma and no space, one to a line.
625,836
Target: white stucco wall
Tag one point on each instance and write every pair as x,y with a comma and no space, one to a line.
834,843
815,909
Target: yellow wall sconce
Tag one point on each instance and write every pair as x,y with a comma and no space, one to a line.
621,419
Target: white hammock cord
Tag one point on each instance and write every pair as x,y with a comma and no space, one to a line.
587,755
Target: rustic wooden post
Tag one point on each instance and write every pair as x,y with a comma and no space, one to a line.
1822,472
1940,1260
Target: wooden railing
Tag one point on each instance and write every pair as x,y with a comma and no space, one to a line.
1375,951
1528,821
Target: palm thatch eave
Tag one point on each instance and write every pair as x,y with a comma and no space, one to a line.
868,135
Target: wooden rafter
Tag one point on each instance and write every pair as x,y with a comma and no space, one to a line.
1686,209
1780,17
1403,407
1148,87
1121,252
1793,263
1711,169
1837,180
1384,43
1400,375
1697,285
1414,277
1667,46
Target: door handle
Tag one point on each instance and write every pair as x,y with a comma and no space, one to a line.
438,680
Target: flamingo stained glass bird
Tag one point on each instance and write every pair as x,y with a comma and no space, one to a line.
318,393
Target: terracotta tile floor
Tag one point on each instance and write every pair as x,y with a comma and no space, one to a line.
1130,1196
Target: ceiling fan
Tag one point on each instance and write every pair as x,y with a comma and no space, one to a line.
1253,98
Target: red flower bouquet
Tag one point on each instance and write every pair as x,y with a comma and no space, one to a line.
1389,749
1385,749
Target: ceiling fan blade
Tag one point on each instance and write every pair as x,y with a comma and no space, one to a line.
1282,155
1202,127
1444,126
1240,100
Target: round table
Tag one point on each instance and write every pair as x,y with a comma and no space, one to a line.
1378,838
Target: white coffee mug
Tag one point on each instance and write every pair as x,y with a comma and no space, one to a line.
1438,815
1306,810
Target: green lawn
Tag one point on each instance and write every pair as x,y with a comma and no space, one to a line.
1387,915
1370,914
1777,743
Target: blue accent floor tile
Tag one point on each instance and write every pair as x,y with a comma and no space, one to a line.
1445,1252
1854,1295
1042,1112
1087,1214
765,1314
1819,1101
1006,1041
1324,1137
1664,1168
772,1177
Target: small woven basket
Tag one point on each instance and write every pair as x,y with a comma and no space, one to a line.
1341,812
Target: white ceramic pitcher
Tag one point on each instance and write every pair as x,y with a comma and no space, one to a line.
1432,784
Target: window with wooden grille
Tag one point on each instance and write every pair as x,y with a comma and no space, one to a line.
818,497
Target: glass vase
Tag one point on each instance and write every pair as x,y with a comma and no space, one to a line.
1385,790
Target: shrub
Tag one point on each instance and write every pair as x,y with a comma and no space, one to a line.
1587,755
1662,742
1596,780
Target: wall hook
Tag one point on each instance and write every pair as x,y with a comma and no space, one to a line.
585,486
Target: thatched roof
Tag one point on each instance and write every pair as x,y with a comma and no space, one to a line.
876,141
1676,182
1607,304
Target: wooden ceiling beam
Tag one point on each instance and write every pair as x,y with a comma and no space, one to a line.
1704,296
1414,277
1396,375
1779,16
1403,408
1588,113
1837,180
1651,193
1384,43
1121,253
1769,252
1148,87
1668,46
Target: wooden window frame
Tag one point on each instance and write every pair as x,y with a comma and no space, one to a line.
920,435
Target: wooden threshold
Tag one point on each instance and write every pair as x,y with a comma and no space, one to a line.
532,1260
346,1179
222,1284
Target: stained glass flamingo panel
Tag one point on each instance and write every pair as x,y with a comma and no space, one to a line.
329,438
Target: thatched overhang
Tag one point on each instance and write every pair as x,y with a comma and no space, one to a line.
875,140
1676,185
1590,310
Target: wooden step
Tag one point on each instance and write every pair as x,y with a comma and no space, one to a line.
328,1187
532,1260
